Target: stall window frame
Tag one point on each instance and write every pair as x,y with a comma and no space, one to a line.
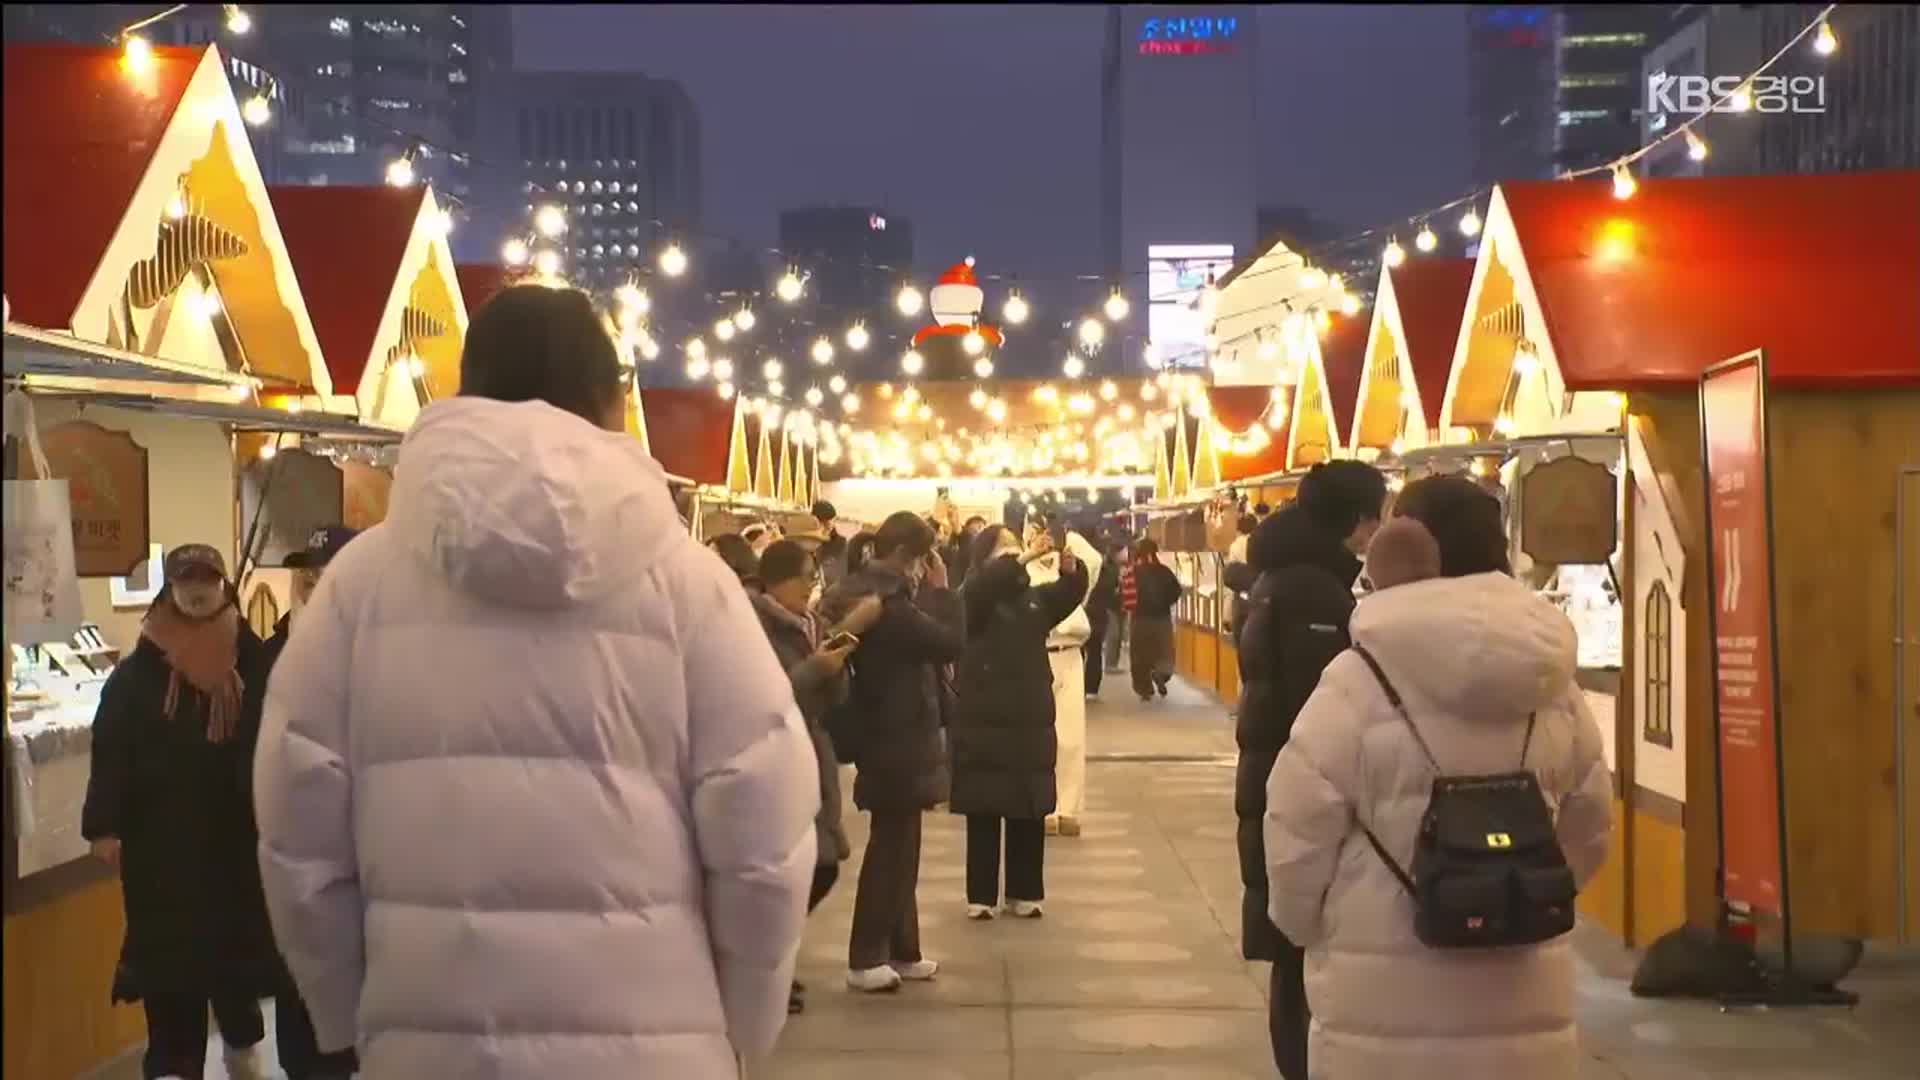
1657,639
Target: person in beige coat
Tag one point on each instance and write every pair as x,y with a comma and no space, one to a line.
1473,653
1066,652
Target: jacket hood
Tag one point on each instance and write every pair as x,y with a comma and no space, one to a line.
525,505
1293,537
1483,647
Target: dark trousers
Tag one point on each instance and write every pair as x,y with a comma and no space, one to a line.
298,1047
1152,655
177,1031
1094,652
886,914
1288,1017
1026,859
823,879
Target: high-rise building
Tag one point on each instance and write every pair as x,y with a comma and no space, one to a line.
1858,109
619,152
1178,163
1510,89
856,259
1599,93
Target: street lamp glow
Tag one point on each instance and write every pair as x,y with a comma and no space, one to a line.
1117,306
550,220
673,260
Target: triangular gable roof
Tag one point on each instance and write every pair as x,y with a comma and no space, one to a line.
1343,357
79,136
689,432
1430,296
1821,271
347,245
94,154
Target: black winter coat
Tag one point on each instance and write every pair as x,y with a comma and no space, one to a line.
795,641
1003,739
895,697
1156,590
183,810
1296,624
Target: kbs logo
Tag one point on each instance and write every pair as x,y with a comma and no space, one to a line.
1692,95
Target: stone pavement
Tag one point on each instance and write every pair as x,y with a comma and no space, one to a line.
1135,973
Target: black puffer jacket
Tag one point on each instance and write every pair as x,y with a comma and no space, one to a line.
1296,624
1003,738
183,810
796,640
894,701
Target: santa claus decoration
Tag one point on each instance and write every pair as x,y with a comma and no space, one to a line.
957,343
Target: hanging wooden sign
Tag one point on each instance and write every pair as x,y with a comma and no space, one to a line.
106,474
1569,512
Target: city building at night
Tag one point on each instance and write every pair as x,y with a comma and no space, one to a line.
1599,95
1179,160
1510,91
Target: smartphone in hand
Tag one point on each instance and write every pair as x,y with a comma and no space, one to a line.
841,640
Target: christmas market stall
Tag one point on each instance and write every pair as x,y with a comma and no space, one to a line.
1595,312
1416,321
153,317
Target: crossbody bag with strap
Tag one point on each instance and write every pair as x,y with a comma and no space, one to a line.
1487,867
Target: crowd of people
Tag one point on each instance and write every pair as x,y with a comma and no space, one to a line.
532,783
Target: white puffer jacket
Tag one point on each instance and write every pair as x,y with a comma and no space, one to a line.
1472,657
534,797
1076,628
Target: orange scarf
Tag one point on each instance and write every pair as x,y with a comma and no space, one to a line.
206,654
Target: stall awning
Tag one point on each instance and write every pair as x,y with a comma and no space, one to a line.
241,417
31,351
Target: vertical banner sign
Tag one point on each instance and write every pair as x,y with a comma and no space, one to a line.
1746,704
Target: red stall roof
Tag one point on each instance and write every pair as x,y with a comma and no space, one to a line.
79,135
1822,272
1343,354
1432,297
346,244
478,283
689,432
1238,407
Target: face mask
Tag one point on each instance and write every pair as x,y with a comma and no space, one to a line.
200,601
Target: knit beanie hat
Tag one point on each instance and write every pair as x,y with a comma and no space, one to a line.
1402,552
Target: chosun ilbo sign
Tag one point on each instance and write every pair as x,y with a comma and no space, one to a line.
1692,95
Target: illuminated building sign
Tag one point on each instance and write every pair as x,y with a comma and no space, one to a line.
1197,35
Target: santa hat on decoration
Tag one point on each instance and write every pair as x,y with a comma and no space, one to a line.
956,299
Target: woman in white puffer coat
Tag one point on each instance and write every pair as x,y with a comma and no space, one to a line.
1473,653
535,800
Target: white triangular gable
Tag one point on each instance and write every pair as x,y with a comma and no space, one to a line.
394,399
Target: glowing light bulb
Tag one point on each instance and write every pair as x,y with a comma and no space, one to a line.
912,363
1149,392
724,330
550,220
400,172
822,351
649,348
925,413
547,262
1015,310
850,403
1394,254
1092,333
776,388
977,399
789,287
1696,147
1425,239
1525,361
1824,41
744,319
238,21
1470,223
698,368
909,300
256,111
1117,306
1741,100
857,337
1108,391
1074,367
723,369
974,343
997,411
137,54
1151,354
1504,427
725,391
673,260
983,368
633,298
176,208
837,384
772,369
1624,185
815,396
1349,304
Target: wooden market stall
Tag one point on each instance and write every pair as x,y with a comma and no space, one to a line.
1590,314
152,312
1409,353
1331,361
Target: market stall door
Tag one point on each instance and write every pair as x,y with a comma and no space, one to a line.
1907,695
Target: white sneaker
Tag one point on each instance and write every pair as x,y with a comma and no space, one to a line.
245,1064
918,971
1024,909
980,912
878,980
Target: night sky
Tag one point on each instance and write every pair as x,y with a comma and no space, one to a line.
981,123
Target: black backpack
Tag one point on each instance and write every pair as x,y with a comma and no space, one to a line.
1487,866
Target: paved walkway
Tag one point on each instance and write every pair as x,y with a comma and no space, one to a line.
1135,972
